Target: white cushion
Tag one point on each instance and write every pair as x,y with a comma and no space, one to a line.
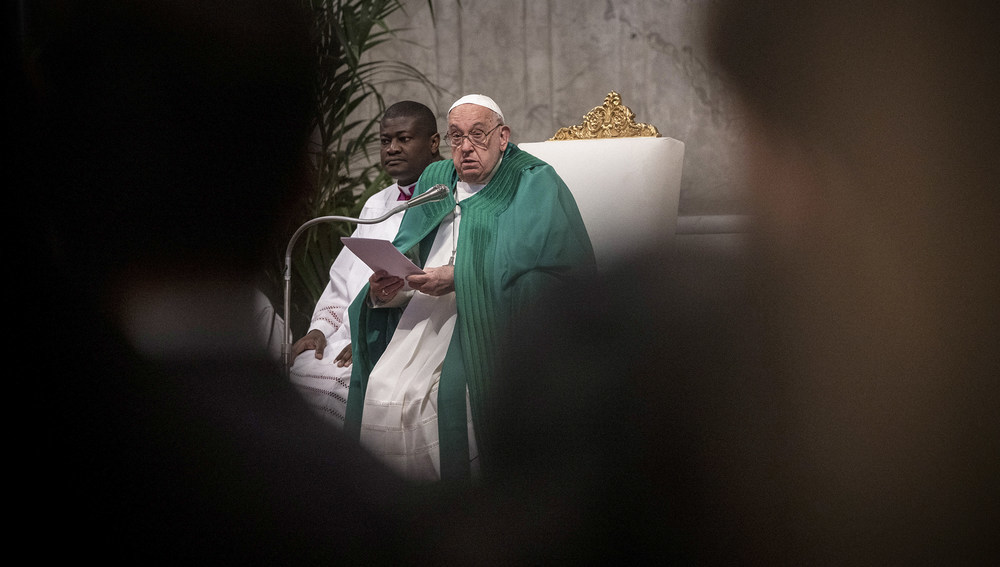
627,188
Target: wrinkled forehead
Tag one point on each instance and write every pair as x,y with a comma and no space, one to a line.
466,116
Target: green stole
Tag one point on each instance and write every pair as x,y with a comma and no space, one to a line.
481,319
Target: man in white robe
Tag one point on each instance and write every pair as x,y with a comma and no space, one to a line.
425,346
409,142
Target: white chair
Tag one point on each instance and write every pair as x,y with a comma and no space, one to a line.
625,177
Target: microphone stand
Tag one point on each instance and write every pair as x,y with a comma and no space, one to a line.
435,193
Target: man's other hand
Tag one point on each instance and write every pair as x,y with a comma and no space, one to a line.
434,281
314,340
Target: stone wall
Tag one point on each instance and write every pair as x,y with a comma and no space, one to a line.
548,62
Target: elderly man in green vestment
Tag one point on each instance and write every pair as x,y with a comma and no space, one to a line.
425,348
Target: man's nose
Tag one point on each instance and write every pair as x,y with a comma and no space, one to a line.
466,140
393,146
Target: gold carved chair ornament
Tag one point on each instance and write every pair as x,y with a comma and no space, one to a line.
624,176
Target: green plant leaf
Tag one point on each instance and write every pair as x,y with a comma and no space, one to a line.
344,152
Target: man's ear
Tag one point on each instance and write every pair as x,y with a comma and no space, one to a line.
504,136
435,143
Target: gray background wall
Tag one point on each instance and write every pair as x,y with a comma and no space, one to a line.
548,62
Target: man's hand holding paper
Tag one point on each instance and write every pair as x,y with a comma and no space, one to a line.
382,256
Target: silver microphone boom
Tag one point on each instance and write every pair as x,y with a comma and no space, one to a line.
435,193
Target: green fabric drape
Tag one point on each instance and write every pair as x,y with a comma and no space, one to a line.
519,235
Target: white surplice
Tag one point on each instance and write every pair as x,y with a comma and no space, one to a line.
399,421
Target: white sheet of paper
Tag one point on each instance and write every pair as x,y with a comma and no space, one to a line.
380,254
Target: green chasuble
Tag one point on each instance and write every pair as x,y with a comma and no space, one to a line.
520,234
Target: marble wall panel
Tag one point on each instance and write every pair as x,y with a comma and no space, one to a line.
548,62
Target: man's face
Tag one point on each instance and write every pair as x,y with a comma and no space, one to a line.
475,163
406,150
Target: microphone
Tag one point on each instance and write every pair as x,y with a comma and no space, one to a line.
435,193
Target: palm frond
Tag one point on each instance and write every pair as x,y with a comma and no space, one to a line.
344,152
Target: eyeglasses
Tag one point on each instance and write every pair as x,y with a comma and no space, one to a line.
477,137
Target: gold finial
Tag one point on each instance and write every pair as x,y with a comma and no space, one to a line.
611,120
